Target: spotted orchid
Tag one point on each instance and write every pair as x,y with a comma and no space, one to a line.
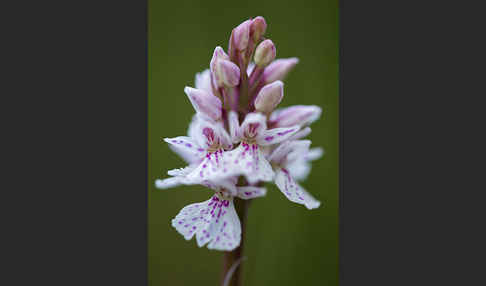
238,140
215,221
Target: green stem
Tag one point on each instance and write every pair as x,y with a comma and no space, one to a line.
231,257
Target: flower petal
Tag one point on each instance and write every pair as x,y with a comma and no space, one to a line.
293,191
214,221
251,192
186,148
301,115
203,81
180,172
167,183
234,126
192,129
301,134
279,155
214,167
226,186
249,160
276,135
315,153
204,102
299,162
253,125
207,133
299,169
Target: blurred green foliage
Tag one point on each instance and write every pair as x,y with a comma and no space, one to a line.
286,244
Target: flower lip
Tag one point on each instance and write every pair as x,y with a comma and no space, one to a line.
254,125
209,133
252,130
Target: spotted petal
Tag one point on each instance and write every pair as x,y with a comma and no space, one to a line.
301,134
251,192
207,133
214,167
250,161
186,148
280,154
293,191
178,178
226,186
276,135
214,222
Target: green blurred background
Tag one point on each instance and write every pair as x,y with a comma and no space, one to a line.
286,244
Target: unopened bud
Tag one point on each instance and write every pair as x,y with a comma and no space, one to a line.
269,97
241,35
204,102
295,115
228,73
279,69
218,55
258,28
265,53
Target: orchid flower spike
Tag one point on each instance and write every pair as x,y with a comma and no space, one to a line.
238,140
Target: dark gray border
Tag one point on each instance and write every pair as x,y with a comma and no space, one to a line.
82,145
77,211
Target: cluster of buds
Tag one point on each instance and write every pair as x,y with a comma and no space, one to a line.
238,140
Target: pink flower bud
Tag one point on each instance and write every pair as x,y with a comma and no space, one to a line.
241,36
269,97
295,115
218,55
279,69
228,73
258,28
204,102
265,53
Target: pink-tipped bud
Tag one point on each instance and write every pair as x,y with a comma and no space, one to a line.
295,115
258,28
279,69
241,36
228,73
265,53
204,102
269,97
218,55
